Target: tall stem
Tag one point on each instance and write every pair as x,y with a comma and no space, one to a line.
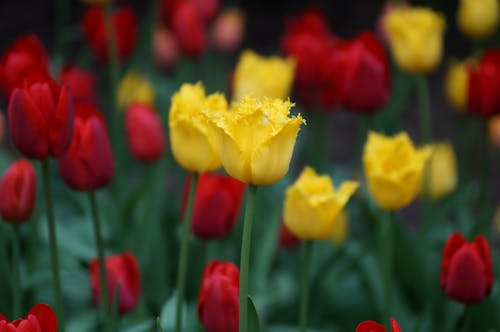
304,301
387,261
184,253
16,276
54,258
103,279
424,110
245,257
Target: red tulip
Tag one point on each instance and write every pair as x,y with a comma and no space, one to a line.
145,136
125,30
207,9
359,73
41,318
371,326
17,192
227,30
26,55
121,270
287,239
467,269
41,117
484,85
165,48
82,84
188,27
216,206
88,164
218,301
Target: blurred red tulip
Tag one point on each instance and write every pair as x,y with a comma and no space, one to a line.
82,84
125,29
207,9
228,30
359,72
41,318
121,270
467,269
189,29
371,326
287,239
218,301
17,192
88,164
41,117
144,132
26,55
166,50
216,206
484,85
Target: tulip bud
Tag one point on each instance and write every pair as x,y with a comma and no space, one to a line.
17,192
441,175
286,239
207,9
467,269
218,301
88,164
478,19
371,326
455,84
189,30
494,130
41,318
484,85
121,270
166,50
134,87
82,84
144,132
228,30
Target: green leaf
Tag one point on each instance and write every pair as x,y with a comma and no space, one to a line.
144,326
253,317
167,315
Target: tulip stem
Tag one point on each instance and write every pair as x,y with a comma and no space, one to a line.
103,279
184,253
245,257
463,323
424,110
54,258
387,248
304,301
16,276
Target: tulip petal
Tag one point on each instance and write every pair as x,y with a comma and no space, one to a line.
483,249
370,326
61,129
394,326
235,162
46,317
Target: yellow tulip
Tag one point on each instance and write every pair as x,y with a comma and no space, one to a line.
256,139
478,19
312,204
441,171
393,169
456,85
134,88
340,228
191,136
261,76
415,38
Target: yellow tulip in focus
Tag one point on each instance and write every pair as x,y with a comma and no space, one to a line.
415,38
494,130
312,204
260,76
441,171
191,136
478,19
340,228
394,169
256,139
134,88
456,85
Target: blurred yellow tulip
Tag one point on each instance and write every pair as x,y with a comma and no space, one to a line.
340,228
478,19
134,88
260,76
393,169
456,84
415,38
441,171
256,139
312,205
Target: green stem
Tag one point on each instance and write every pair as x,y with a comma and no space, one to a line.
424,110
16,276
103,279
54,258
304,301
463,323
485,193
184,253
245,257
387,261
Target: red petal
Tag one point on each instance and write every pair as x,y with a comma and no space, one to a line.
370,326
395,326
482,246
454,243
46,317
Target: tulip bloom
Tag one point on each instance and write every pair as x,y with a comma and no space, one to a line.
371,326
218,301
478,19
192,138
415,38
261,76
256,139
359,73
484,85
166,49
25,56
121,270
82,84
144,132
125,31
88,164
41,117
441,171
17,192
216,205
187,25
134,88
393,169
467,269
456,84
312,204
228,30
41,318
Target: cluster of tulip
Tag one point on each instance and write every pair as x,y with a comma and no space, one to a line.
252,133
